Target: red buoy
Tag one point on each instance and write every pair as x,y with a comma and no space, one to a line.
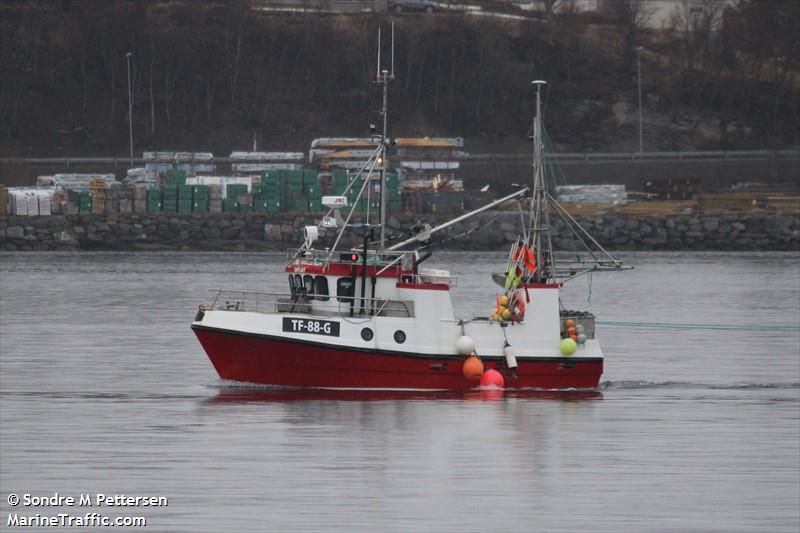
492,378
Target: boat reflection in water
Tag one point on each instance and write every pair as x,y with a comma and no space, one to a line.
237,394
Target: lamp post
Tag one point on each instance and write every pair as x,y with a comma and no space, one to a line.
130,105
639,79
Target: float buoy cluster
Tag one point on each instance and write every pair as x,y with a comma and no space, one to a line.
473,369
572,336
509,308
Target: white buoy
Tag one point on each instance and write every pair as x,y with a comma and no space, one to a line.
511,357
465,345
581,338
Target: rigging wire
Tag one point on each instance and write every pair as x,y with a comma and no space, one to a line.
469,231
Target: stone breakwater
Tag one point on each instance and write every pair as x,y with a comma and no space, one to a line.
487,231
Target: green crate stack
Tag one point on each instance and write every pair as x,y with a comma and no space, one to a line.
235,189
269,195
199,198
85,202
293,187
184,199
294,191
230,205
175,177
262,204
245,207
169,198
340,179
297,204
294,176
310,177
272,183
153,201
259,204
295,200
266,204
312,191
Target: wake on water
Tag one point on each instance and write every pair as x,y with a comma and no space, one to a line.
637,384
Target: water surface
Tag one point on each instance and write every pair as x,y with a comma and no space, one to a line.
103,388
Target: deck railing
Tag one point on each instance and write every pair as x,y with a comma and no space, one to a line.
272,302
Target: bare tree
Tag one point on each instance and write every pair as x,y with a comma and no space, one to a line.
696,22
550,7
632,16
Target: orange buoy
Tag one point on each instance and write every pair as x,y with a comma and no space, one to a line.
472,368
572,331
570,323
492,378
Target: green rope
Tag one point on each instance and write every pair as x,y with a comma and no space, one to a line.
666,325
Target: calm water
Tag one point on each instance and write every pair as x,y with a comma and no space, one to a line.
103,389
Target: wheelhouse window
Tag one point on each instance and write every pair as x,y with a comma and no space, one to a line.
309,284
321,288
345,288
298,283
291,284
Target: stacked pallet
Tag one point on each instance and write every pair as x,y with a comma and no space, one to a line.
214,198
140,199
125,198
97,191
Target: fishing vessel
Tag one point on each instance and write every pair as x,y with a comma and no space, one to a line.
372,317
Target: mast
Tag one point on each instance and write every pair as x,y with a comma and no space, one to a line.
382,79
540,240
540,235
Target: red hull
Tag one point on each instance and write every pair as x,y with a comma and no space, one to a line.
276,361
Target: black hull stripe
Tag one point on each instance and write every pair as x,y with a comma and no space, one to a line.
395,353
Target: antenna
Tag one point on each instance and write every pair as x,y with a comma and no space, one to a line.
382,78
392,74
378,73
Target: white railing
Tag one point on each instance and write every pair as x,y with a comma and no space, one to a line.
270,302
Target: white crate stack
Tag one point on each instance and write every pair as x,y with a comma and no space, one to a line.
29,202
223,182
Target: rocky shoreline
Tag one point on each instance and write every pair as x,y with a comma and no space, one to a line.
487,231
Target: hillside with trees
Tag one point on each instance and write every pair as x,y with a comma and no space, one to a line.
211,76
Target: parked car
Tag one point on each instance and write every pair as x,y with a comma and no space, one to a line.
426,6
